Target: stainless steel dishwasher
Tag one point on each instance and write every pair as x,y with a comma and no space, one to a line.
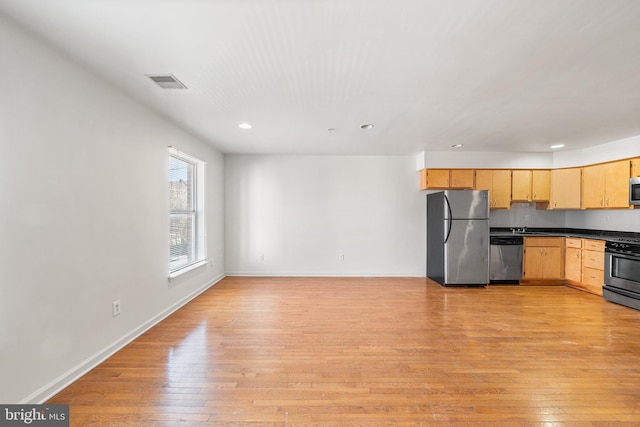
505,260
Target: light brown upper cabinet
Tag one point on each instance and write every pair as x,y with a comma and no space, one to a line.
434,179
530,185
540,185
461,178
521,185
635,167
439,179
565,188
498,182
606,185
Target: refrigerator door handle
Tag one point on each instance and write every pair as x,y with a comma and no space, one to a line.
449,219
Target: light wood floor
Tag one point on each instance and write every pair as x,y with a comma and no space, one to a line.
365,352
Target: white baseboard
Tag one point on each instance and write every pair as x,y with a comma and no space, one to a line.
64,380
306,274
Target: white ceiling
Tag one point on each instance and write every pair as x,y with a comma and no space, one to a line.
494,75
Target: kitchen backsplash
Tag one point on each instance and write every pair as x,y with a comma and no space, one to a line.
617,220
526,215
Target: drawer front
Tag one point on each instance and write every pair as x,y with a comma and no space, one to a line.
594,245
573,243
543,241
593,259
593,278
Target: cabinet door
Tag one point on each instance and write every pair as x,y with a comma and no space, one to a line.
484,180
521,185
461,178
635,167
593,186
540,185
553,263
543,258
501,189
616,179
565,188
437,178
533,262
573,264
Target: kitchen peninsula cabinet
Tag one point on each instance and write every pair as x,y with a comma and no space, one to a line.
498,182
543,260
442,179
566,188
606,185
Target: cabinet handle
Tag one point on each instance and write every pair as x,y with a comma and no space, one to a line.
601,202
607,202
535,195
577,254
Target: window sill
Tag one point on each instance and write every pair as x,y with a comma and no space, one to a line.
188,268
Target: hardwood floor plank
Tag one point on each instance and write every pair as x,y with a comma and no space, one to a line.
372,351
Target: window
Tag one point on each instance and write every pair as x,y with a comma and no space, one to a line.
186,213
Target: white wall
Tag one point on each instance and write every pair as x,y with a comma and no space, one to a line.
605,152
302,212
83,184
482,160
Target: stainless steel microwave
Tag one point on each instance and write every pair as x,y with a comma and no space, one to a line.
634,191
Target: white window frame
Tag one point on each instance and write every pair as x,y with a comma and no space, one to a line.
198,214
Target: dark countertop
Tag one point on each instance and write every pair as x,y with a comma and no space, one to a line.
612,236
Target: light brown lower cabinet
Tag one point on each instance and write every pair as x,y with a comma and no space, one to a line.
543,260
573,260
584,264
593,265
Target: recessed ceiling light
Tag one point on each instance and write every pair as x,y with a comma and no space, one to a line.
366,126
456,146
244,126
557,146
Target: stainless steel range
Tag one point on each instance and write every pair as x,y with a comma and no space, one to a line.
622,273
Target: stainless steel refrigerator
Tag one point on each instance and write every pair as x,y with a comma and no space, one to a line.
458,237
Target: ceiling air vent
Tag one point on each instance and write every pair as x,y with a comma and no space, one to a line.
167,81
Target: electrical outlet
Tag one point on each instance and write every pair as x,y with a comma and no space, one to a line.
341,257
115,308
262,257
